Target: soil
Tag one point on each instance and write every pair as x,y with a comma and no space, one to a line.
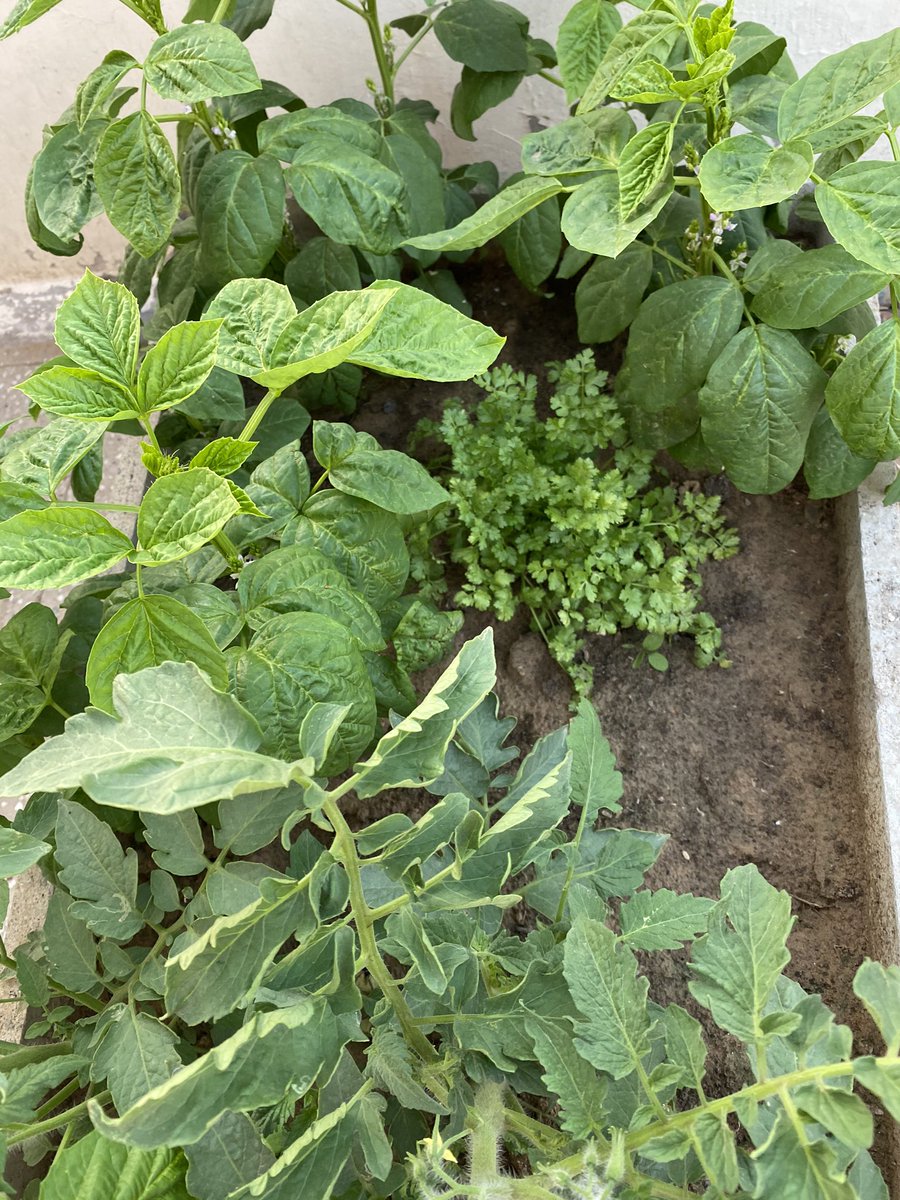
753,763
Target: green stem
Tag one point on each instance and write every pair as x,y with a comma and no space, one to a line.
98,506
676,262
895,147
71,1114
320,483
344,849
58,707
228,550
895,301
353,7
221,11
385,70
60,1098
29,1055
191,118
139,580
551,78
151,434
255,419
411,45
686,181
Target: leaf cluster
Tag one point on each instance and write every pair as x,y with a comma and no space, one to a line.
567,517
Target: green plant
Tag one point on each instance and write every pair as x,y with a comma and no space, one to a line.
327,1022
563,516
736,333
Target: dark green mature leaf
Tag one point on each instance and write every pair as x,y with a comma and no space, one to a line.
63,186
240,215
283,135
758,405
424,635
484,35
614,1033
643,165
595,782
137,180
30,654
839,86
253,1068
70,945
532,245
812,288
322,266
739,961
97,872
830,467
679,333
744,171
145,632
569,1077
178,744
863,396
841,1113
610,292
476,93
583,39
194,62
98,326
662,920
228,1155
177,842
493,217
789,1163
135,1054
95,1167
859,205
53,547
180,513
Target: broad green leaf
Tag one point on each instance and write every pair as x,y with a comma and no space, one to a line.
137,180
180,513
610,292
662,920
679,333
271,1053
739,961
365,543
135,1054
223,456
70,945
607,863
43,459
839,86
57,546
595,783
100,876
790,1164
320,267
493,217
251,821
177,842
533,243
26,1086
476,93
412,753
407,940
882,1079
222,967
810,289
643,165
388,478
879,989
283,135
863,395
569,1077
424,635
254,312
318,728
63,187
685,1046
860,205
350,195
15,498
228,1155
758,405
421,337
389,1061
18,852
714,1144
483,35
614,1033
178,365
220,398
583,39
95,1166
579,145
98,327
30,654
744,171
23,13
240,216
79,394
177,744
841,1113
146,632
194,62
649,35
593,219
830,467
94,93
433,830
294,661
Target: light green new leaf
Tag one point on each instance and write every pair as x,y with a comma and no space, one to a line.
830,467
178,365
739,961
254,312
879,989
180,513
744,171
252,1069
813,287
97,872
569,1077
421,337
137,180
135,1054
178,744
53,547
758,405
649,35
412,753
94,93
194,62
79,394
240,216
70,945
839,86
662,920
593,219
609,294
95,1167
43,459
583,39
18,852
493,217
860,204
23,13
614,1034
643,165
863,395
146,632
98,326
595,783
229,1155
223,456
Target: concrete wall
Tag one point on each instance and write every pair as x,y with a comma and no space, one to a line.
320,49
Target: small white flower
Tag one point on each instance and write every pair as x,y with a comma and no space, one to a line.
217,131
231,135
846,344
187,108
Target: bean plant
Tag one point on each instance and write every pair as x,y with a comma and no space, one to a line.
691,144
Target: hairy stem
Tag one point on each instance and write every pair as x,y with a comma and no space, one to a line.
64,1118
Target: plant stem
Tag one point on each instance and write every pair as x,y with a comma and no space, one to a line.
60,1098
139,580
385,70
98,506
255,419
551,78
344,849
320,483
353,7
64,1118
228,550
151,434
676,262
33,1054
895,303
895,147
221,11
411,45
58,707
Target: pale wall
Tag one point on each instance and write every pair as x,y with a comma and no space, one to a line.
320,49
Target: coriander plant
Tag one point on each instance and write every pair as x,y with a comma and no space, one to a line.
564,516
691,142
351,1015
